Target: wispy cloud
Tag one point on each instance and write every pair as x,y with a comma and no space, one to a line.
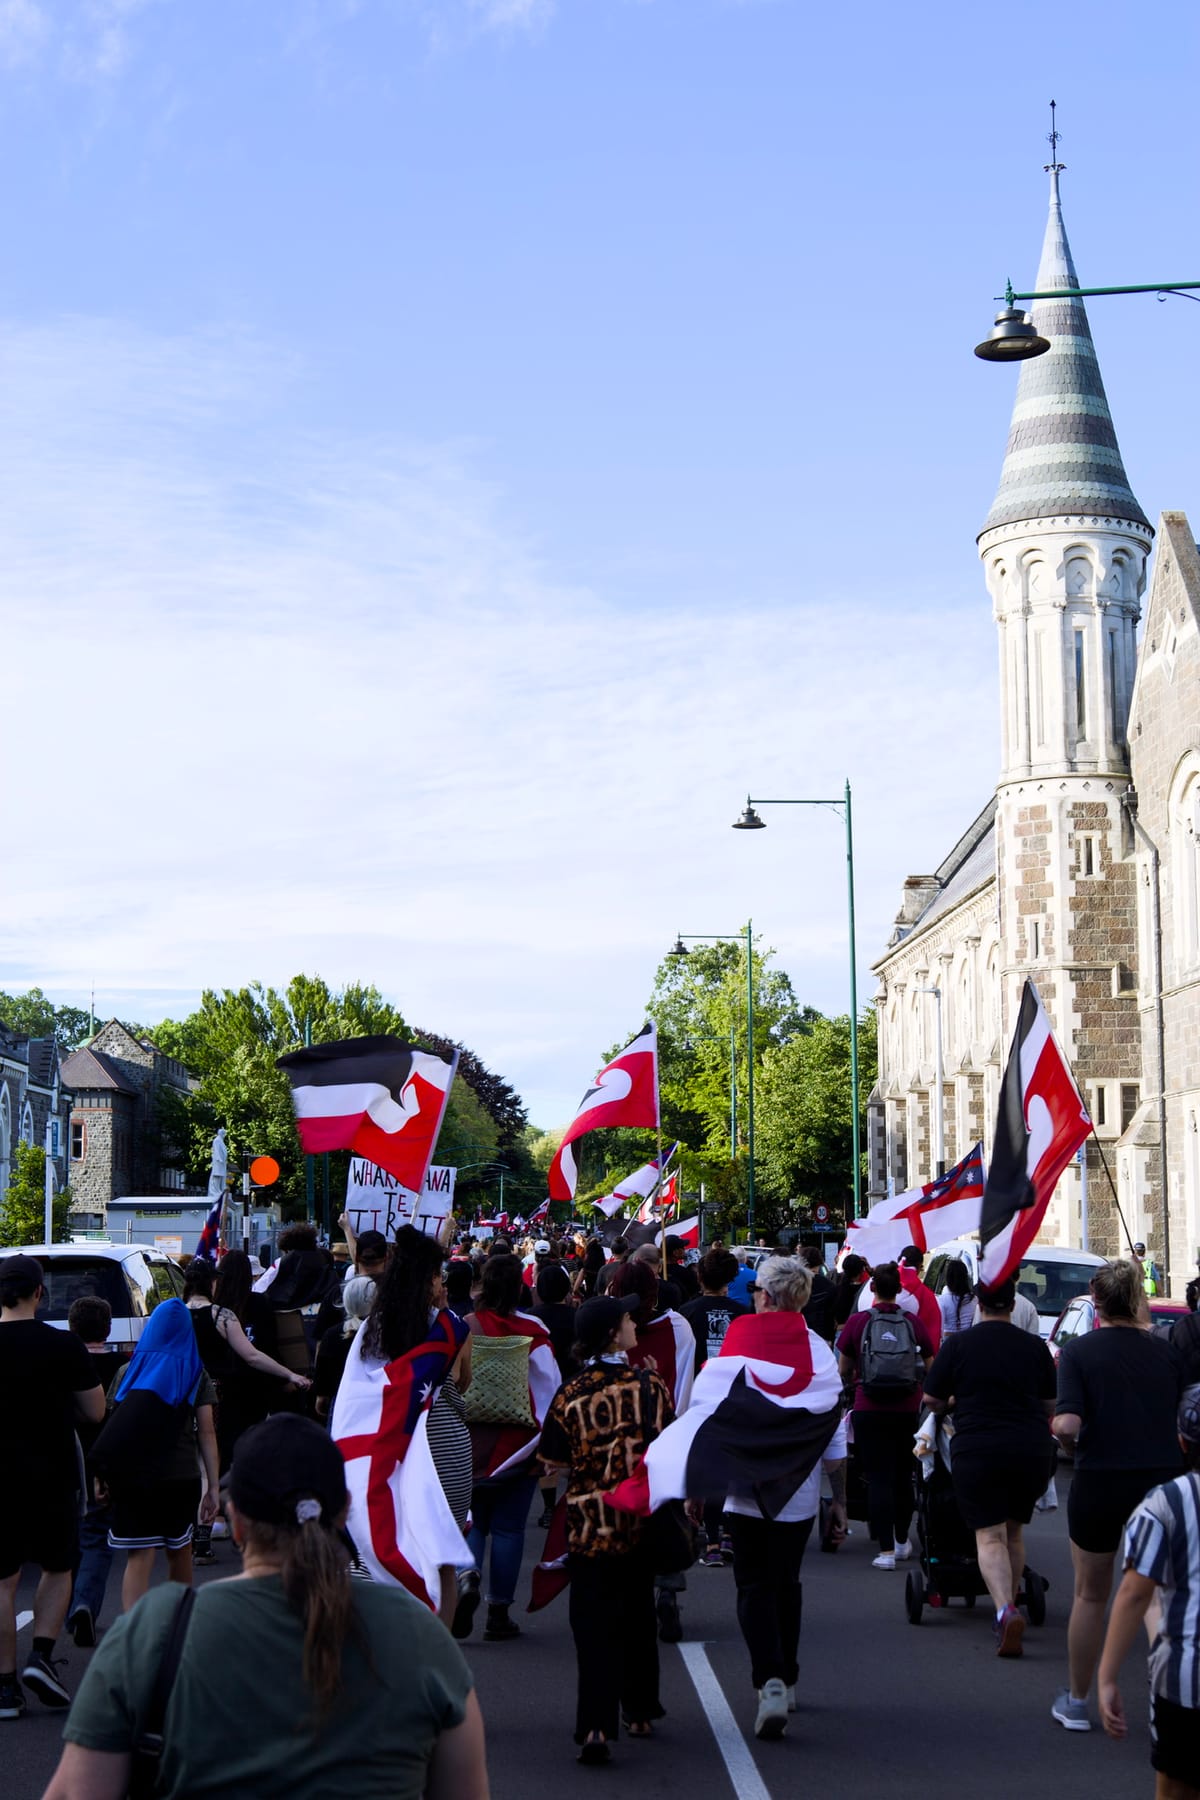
281,702
82,40
24,30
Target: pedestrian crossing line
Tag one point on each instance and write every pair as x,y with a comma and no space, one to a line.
24,1619
748,1784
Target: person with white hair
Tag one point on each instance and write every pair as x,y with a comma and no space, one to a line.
333,1346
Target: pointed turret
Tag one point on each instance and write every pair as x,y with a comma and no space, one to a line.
1062,454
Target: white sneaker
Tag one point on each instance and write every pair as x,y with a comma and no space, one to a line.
903,1551
792,1698
886,1560
772,1710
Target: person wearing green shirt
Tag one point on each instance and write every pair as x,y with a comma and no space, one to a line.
293,1681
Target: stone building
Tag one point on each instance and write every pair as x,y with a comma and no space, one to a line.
116,1148
31,1093
1055,879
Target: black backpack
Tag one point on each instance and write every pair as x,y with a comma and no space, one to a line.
889,1367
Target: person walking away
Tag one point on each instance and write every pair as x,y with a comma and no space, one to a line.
148,1457
47,1384
620,1255
914,1297
460,1277
356,1688
1118,1395
682,1273
1002,1385
1162,1558
587,1278
599,1425
710,1317
90,1320
767,1553
882,1350
367,1254
503,1454
818,1314
554,1308
956,1300
851,1277
358,1295
248,1380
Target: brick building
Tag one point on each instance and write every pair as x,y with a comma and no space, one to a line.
116,1148
1092,838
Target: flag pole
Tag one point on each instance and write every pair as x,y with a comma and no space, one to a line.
1112,1184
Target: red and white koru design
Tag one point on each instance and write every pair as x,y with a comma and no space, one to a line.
624,1093
377,1096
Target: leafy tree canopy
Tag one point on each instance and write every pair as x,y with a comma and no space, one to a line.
31,1014
23,1209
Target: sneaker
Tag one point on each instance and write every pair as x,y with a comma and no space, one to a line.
12,1700
903,1551
500,1628
203,1553
885,1560
670,1625
82,1627
792,1698
1009,1628
772,1710
712,1558
39,1675
727,1547
1071,1713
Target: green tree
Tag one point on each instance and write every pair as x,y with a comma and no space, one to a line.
23,1209
31,1014
804,1134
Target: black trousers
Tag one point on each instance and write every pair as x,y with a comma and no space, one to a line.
884,1442
616,1642
766,1571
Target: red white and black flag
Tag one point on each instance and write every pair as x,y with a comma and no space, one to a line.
1039,1127
625,1093
376,1096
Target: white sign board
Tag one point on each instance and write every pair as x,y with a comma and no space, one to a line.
375,1201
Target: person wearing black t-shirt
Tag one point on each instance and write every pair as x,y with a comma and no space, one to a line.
1118,1394
47,1383
1001,1382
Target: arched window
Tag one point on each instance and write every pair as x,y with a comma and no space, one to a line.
27,1124
1184,828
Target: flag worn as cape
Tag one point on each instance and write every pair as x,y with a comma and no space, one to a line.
762,1415
377,1096
943,1209
625,1092
1040,1125
400,1520
499,1448
670,1340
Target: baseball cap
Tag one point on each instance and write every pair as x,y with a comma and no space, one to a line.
23,1269
597,1319
1187,1420
541,1248
285,1468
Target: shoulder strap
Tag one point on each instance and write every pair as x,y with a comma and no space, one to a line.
147,1752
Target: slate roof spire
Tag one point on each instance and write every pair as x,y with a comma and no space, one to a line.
1062,454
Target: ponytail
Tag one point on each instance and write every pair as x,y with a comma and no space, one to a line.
313,1568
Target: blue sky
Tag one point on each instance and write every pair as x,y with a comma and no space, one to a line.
454,448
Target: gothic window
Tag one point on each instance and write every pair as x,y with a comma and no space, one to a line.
1184,827
1080,682
27,1124
1116,725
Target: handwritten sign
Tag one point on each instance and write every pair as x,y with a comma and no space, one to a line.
375,1200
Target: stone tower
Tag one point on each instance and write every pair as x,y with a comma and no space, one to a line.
1064,549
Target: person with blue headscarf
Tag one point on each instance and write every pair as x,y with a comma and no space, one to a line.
150,1453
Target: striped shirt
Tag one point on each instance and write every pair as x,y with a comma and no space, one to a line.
1162,1542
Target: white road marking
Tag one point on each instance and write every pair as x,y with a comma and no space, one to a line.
24,1619
748,1784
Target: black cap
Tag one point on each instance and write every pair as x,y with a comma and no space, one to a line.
23,1269
283,1463
597,1319
1187,1420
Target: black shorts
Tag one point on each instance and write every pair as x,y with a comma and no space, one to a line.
1175,1735
39,1530
990,1490
1101,1500
162,1514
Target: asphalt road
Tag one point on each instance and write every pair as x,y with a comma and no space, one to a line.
886,1707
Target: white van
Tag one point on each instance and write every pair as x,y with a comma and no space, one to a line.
1049,1276
133,1278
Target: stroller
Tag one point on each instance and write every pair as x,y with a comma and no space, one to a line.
948,1569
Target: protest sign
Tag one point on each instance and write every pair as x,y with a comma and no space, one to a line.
375,1200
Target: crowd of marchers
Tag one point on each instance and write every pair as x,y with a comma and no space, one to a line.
641,1410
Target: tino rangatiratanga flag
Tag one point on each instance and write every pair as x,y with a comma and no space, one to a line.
625,1093
1040,1125
376,1096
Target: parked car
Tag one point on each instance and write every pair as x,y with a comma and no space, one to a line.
133,1278
1079,1316
1049,1276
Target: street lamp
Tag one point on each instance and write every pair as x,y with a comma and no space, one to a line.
679,948
939,1147
750,821
1015,338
